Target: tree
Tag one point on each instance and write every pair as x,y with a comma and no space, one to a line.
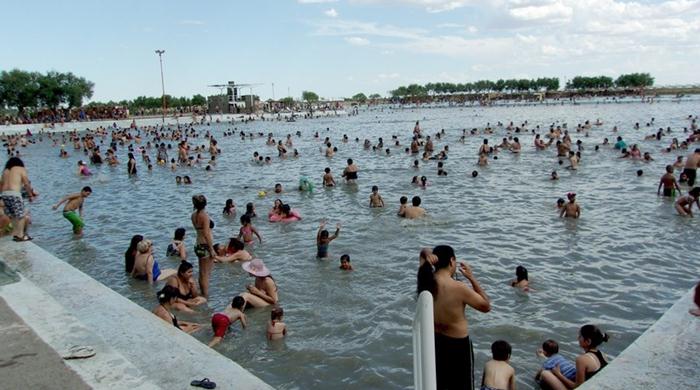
309,96
634,80
360,97
375,96
19,88
288,101
199,100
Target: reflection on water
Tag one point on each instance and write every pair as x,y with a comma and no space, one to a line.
620,266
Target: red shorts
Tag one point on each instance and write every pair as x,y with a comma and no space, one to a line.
220,324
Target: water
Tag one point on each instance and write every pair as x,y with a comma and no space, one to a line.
620,266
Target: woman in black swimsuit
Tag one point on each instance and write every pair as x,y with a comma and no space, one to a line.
166,298
587,364
204,247
183,282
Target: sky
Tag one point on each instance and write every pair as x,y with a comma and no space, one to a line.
338,48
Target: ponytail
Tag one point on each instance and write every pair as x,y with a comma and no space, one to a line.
426,278
594,335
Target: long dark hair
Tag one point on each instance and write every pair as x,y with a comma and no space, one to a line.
594,334
129,254
426,277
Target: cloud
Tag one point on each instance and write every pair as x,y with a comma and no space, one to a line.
331,13
432,6
357,41
472,29
316,1
385,76
192,22
552,11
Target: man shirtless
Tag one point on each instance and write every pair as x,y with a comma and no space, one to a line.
350,172
692,163
75,202
14,177
571,209
414,211
668,181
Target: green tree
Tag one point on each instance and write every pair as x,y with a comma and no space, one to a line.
20,89
309,96
375,96
199,100
634,80
288,101
360,97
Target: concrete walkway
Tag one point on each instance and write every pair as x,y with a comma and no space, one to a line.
26,362
666,356
135,349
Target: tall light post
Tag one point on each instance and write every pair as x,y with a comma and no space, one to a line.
162,81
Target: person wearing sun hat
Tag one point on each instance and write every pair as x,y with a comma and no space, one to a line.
264,291
571,209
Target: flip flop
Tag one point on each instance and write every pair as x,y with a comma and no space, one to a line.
79,352
21,239
204,383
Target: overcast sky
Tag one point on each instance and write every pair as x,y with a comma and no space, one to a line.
340,47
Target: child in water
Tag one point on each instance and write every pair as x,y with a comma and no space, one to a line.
550,350
498,374
571,209
521,280
276,329
221,321
229,208
323,239
345,263
328,180
668,181
684,204
375,200
248,230
403,201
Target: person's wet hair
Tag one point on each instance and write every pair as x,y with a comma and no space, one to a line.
594,335
236,244
416,201
245,219
167,294
184,267
179,234
426,277
199,202
521,273
501,350
238,302
550,347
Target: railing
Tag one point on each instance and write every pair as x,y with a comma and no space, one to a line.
424,344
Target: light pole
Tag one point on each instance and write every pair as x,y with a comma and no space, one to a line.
162,81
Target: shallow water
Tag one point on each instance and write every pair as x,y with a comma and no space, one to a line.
621,265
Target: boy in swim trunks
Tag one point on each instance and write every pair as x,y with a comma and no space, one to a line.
345,263
668,181
221,321
498,374
402,205
75,202
328,180
571,209
684,204
375,200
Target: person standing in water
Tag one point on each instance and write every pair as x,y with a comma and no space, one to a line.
14,177
75,202
204,247
454,354
350,172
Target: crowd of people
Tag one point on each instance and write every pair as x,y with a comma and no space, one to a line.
437,267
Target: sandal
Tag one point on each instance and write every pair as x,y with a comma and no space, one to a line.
79,352
205,383
21,239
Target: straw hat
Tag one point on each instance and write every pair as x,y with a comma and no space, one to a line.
256,267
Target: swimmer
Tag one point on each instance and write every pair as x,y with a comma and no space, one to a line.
83,169
350,172
571,209
235,251
328,180
276,329
278,187
573,160
560,204
345,263
221,321
423,182
440,170
248,230
166,298
229,208
483,159
178,180
187,180
554,176
323,239
521,281
414,211
684,204
375,200
75,202
402,205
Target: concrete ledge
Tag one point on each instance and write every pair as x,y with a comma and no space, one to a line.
60,330
164,355
663,357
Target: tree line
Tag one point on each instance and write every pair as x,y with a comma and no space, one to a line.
21,89
542,84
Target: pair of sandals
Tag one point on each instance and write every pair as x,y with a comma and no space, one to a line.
21,239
